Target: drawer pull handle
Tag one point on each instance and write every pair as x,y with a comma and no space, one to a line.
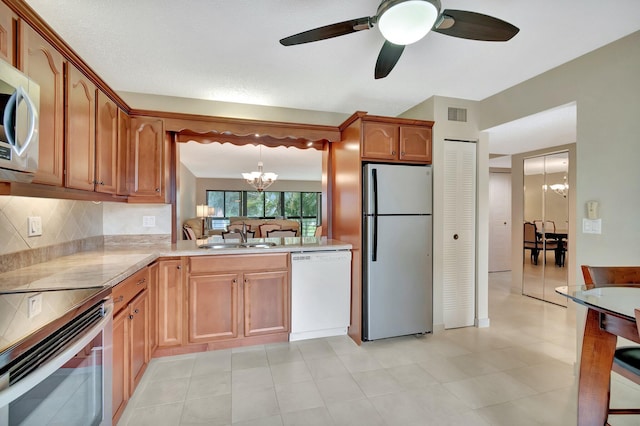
142,281
119,299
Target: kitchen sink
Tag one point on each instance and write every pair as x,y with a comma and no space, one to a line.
259,245
236,245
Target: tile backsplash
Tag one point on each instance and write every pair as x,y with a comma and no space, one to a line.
62,221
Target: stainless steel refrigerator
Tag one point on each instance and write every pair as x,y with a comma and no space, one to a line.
397,262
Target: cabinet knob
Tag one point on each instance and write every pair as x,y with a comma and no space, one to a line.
402,153
102,182
130,316
157,189
136,311
393,153
179,267
455,236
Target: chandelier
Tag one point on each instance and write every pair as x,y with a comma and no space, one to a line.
259,179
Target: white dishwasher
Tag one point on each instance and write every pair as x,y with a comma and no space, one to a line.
320,294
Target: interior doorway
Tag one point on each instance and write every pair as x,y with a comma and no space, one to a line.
499,221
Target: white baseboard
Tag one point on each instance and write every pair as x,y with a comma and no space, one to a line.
341,331
482,322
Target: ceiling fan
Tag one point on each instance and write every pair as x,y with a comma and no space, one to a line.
403,22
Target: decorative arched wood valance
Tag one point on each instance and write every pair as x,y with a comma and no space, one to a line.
208,129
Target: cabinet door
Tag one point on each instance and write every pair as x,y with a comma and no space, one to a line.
380,141
213,307
106,145
7,41
81,131
45,65
266,302
138,336
124,137
170,302
120,363
147,158
415,144
154,271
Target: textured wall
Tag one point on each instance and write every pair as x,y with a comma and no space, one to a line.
62,221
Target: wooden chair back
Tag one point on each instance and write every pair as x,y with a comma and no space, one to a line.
603,276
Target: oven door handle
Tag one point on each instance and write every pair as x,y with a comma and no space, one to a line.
15,391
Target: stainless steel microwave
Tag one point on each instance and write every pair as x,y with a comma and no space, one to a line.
19,105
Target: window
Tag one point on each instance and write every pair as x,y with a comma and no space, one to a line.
305,207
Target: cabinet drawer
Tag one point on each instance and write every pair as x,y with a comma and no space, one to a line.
258,262
127,289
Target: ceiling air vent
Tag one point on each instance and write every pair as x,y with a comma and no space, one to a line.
458,114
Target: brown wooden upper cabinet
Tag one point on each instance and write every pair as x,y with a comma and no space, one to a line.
45,65
146,159
107,145
383,141
81,131
7,42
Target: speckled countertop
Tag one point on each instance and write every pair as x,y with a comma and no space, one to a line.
110,266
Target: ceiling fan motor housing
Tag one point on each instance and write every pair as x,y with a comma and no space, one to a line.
403,22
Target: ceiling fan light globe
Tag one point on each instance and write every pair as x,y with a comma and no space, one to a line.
407,21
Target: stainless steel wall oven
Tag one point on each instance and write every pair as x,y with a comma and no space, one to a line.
56,357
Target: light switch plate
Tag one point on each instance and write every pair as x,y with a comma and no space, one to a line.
148,221
34,226
34,305
592,226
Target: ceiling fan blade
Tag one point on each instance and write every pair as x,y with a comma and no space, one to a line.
387,59
474,26
329,31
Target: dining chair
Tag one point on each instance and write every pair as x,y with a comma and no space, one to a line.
626,359
532,241
189,234
281,233
268,227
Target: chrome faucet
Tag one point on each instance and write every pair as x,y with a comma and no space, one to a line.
243,233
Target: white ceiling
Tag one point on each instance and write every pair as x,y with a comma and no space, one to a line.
228,50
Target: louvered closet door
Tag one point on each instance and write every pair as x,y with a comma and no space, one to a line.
459,233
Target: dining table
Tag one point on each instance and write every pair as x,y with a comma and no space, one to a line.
610,313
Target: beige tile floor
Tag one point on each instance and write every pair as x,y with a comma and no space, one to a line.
519,372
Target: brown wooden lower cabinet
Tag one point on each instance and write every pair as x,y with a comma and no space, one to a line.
225,301
213,307
120,367
130,337
138,336
266,303
236,297
170,303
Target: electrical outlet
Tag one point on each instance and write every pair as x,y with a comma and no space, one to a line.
34,305
34,226
148,221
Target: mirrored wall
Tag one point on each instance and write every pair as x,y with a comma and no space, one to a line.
546,226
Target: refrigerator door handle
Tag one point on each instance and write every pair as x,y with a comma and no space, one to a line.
374,181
